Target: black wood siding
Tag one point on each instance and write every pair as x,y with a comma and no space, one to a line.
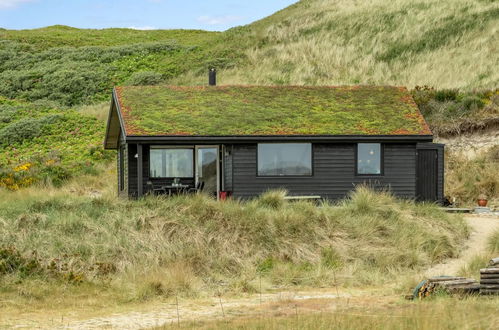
227,169
333,172
132,170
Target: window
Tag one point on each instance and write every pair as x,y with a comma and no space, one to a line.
284,159
172,163
369,158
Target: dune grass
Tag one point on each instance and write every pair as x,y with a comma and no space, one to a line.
194,246
469,178
445,44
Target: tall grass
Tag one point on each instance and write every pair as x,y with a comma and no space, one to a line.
446,44
195,245
468,178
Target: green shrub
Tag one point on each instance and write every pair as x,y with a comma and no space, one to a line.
77,75
45,144
19,131
145,78
472,102
11,261
443,95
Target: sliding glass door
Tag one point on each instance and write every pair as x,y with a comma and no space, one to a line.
208,169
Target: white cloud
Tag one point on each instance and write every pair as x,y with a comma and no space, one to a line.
4,4
217,20
142,28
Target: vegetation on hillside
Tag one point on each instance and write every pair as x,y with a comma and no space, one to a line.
40,143
194,245
467,179
451,111
446,44
314,42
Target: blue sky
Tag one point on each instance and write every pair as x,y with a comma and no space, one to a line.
142,14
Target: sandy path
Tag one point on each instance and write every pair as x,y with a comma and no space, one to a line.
482,227
166,313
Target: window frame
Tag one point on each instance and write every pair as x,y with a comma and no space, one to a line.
189,147
288,175
381,160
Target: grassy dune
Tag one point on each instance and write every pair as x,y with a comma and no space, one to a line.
445,44
193,246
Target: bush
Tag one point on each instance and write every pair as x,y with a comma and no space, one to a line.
145,78
19,131
43,144
450,112
444,95
71,75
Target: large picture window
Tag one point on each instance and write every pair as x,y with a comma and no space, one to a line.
284,159
171,163
369,159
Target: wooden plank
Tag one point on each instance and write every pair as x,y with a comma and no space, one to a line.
489,276
457,283
455,210
443,279
488,287
489,271
301,197
489,281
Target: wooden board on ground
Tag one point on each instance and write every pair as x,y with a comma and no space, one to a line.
489,281
492,270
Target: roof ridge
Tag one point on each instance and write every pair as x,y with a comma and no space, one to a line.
260,86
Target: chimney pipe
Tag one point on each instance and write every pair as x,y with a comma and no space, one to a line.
212,77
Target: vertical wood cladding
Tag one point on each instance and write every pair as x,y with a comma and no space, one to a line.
333,172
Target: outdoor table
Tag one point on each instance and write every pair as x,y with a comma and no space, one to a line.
175,189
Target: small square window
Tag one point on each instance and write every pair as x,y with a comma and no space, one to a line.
369,159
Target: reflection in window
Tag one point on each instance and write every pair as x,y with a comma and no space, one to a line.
172,163
281,159
369,158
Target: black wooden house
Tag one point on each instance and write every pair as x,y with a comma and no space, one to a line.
245,140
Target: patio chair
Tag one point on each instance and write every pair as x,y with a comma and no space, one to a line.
154,189
198,188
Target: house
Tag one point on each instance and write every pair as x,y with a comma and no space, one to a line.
244,140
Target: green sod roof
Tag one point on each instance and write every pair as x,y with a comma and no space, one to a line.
265,110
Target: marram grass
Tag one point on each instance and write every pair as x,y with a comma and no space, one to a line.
194,245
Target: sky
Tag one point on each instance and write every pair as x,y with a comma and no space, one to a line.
214,15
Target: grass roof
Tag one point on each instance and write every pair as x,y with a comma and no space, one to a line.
265,110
